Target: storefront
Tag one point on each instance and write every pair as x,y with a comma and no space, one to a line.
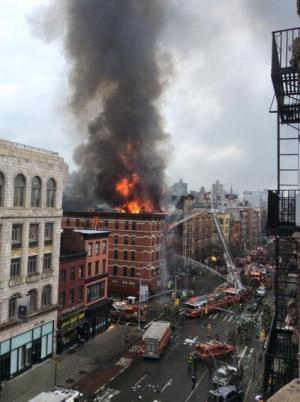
72,330
21,352
98,317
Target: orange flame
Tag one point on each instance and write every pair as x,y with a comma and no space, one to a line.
132,203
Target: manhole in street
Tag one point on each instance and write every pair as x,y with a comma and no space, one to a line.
69,381
82,372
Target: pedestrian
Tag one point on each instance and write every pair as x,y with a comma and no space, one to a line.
194,380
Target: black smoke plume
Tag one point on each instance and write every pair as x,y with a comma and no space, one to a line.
117,79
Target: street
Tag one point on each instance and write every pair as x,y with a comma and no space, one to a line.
169,379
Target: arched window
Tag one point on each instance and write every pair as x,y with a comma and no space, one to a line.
132,256
12,306
1,189
51,193
36,186
125,271
32,299
46,295
19,191
125,255
126,240
132,272
133,241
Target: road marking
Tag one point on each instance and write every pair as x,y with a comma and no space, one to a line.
123,361
225,318
167,385
242,354
213,317
230,318
251,351
140,380
193,390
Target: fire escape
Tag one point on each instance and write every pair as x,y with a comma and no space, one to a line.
281,364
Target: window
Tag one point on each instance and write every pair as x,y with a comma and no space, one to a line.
62,299
125,271
132,272
103,266
126,240
90,249
46,296
49,233
89,269
132,256
125,255
72,296
104,246
157,255
51,193
116,254
32,300
88,224
62,276
95,291
116,225
78,223
32,265
116,239
133,225
17,236
12,307
106,223
33,234
68,221
133,241
80,271
36,186
97,248
97,268
80,293
126,225
15,267
47,262
115,270
72,274
1,189
19,191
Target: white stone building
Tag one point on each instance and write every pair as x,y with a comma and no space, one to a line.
31,185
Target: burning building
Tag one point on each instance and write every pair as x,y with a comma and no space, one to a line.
135,255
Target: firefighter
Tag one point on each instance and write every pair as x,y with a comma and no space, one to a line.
190,359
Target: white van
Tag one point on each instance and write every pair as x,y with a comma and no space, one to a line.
59,394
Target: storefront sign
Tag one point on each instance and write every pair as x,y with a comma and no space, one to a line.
67,322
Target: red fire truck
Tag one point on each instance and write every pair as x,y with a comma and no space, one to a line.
203,305
156,339
128,310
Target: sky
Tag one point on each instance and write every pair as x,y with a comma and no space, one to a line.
215,107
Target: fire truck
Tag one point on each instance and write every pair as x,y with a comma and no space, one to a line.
128,310
203,305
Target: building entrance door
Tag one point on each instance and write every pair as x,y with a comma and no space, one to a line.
5,366
36,351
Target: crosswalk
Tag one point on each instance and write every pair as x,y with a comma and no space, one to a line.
224,318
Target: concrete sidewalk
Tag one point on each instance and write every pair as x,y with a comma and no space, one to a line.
71,367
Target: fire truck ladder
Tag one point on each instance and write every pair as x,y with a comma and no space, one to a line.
231,268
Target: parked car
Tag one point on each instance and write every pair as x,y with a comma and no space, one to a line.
261,291
227,393
225,375
252,308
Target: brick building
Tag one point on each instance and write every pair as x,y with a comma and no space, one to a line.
134,247
31,183
83,282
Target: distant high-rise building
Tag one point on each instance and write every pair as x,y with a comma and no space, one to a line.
217,191
179,189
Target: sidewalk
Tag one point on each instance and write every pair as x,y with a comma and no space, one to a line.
74,367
